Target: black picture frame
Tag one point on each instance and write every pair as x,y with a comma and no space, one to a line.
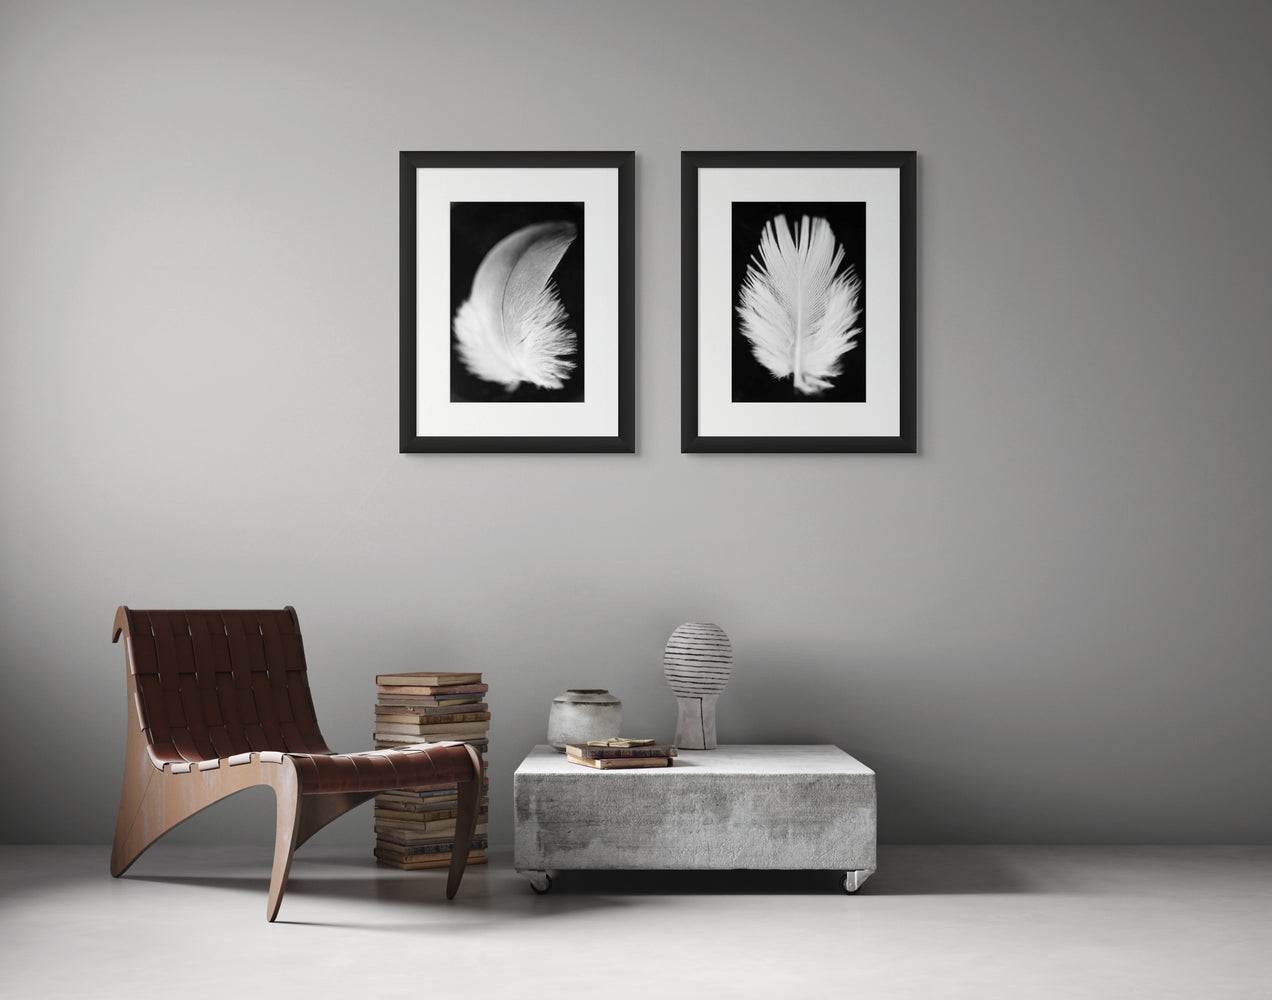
864,175
610,315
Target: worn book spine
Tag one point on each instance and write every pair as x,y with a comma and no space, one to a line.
403,838
449,703
431,735
407,717
430,793
408,809
434,690
419,822
432,728
429,810
401,810
443,678
425,848
441,847
444,797
413,821
419,829
440,844
619,753
477,740
416,822
427,710
429,799
615,765
406,739
436,861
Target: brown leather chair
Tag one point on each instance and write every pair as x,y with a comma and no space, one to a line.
218,701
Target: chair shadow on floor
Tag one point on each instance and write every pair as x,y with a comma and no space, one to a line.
394,898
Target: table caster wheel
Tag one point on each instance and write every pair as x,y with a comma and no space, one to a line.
540,882
853,880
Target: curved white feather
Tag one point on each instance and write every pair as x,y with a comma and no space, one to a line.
797,310
512,327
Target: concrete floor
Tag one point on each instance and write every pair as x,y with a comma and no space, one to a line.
976,922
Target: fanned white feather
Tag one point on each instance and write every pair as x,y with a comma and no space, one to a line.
512,327
797,310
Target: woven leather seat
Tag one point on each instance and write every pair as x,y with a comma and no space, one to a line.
218,701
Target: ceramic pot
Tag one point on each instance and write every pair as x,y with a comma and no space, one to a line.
583,714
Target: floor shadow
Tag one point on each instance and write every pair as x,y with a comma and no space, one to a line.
944,871
678,883
237,882
903,871
498,895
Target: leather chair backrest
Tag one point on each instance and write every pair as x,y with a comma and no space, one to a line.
211,684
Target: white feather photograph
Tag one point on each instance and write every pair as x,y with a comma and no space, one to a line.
517,311
798,290
517,300
800,309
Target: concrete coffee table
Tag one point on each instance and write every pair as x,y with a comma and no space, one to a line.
743,806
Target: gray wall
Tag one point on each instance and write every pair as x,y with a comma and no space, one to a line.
1050,625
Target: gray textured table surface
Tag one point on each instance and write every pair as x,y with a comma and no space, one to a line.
741,758
739,806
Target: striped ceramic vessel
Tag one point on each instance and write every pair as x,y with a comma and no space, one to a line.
697,661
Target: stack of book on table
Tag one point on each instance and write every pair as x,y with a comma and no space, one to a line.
619,753
415,828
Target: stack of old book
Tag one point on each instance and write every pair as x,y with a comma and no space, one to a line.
415,828
620,752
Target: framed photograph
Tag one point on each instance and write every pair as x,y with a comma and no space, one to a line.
798,293
517,314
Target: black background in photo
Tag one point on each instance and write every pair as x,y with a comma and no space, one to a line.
475,227
752,382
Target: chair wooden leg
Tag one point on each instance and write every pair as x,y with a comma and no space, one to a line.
286,831
469,794
131,837
141,821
